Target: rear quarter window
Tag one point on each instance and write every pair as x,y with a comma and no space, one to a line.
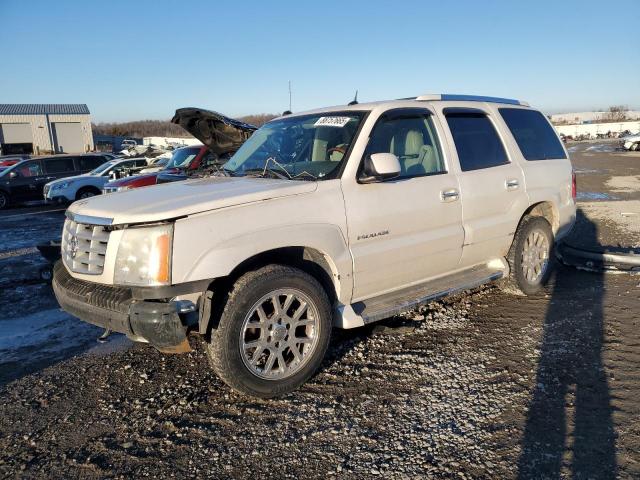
535,137
90,162
59,165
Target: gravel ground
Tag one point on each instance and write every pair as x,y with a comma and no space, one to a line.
485,385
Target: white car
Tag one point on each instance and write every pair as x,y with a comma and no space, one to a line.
337,217
631,142
70,189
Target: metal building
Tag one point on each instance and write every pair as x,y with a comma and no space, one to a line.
42,129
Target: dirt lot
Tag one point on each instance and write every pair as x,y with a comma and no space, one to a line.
485,385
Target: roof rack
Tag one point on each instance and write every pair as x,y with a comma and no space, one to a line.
469,98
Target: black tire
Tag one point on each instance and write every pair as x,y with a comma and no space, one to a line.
87,192
224,349
4,200
517,279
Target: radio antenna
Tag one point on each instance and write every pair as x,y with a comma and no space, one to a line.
355,100
289,95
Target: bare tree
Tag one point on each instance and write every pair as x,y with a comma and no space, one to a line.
616,113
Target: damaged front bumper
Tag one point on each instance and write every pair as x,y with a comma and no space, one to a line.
158,322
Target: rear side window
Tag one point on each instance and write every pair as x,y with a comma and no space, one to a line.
91,162
533,134
476,140
59,165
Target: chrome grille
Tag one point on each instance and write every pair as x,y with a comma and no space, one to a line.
46,190
84,247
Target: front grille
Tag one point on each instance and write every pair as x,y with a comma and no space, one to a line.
46,190
84,247
109,189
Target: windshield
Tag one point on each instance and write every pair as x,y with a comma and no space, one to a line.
102,168
305,147
182,157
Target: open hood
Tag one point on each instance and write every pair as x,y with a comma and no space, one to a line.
223,135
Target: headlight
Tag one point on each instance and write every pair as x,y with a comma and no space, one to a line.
120,189
144,256
60,186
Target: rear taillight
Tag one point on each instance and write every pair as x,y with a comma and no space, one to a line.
573,185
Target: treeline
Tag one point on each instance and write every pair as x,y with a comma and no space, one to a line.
162,128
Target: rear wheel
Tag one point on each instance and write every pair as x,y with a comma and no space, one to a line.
530,256
273,332
87,192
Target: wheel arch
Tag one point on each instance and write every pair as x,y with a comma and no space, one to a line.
546,210
310,260
92,188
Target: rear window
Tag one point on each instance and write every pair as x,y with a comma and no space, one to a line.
91,162
533,134
476,140
59,165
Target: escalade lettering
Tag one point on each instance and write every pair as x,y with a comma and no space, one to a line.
373,235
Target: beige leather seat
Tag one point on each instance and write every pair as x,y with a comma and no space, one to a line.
416,158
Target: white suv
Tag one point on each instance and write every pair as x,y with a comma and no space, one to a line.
336,217
70,189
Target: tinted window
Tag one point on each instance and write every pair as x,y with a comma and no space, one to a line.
59,165
89,163
534,135
477,142
410,137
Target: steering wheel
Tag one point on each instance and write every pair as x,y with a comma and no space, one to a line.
342,150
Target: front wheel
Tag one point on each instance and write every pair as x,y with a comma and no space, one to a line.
87,192
4,200
273,332
530,256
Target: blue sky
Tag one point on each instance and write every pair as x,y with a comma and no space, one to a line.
143,59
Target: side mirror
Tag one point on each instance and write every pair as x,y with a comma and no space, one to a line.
14,174
379,167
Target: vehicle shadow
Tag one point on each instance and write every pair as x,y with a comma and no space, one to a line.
569,426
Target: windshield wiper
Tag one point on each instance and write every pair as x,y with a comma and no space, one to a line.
262,172
286,176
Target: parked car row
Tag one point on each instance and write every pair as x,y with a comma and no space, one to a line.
221,136
66,178
631,142
598,136
26,179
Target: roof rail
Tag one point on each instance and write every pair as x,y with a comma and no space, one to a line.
469,98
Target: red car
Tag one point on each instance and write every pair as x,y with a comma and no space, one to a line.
7,162
221,137
185,158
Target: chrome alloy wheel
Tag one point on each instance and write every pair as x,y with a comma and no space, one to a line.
279,334
535,256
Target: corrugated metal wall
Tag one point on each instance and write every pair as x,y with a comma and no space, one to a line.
42,131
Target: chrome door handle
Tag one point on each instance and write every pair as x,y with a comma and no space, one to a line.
449,195
512,184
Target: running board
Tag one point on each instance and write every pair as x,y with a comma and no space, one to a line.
393,303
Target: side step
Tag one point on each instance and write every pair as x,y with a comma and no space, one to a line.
393,303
